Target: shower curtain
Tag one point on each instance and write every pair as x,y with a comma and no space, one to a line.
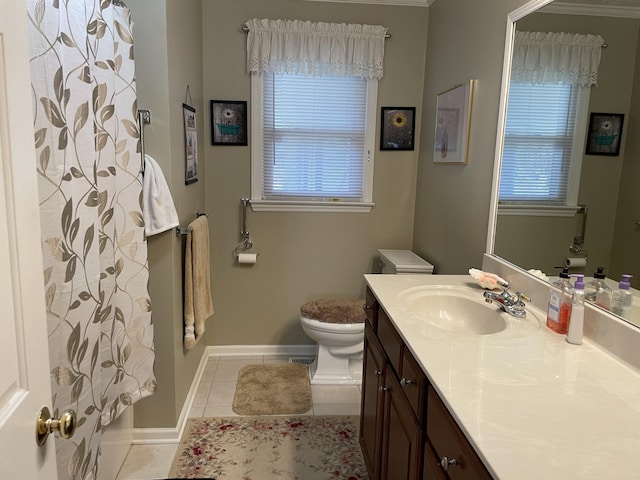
94,248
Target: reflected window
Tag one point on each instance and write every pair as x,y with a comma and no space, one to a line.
541,159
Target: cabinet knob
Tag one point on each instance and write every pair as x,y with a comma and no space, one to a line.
384,389
404,381
445,463
378,372
366,307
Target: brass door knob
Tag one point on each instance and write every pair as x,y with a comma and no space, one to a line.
45,425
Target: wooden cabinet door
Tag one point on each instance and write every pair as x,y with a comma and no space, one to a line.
372,403
402,444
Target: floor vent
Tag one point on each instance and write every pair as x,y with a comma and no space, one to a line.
301,360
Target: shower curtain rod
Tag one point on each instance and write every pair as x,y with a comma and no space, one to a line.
246,29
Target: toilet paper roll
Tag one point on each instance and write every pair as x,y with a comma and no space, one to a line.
247,257
575,262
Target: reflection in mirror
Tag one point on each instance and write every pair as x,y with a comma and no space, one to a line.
543,230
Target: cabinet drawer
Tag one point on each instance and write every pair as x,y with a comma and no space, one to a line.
449,441
391,342
414,384
431,469
371,309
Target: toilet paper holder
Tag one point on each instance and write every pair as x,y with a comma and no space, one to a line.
246,243
578,240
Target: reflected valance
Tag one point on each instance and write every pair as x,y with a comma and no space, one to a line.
315,48
556,58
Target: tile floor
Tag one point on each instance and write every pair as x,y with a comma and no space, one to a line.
214,398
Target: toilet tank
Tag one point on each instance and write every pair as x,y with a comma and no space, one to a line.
402,262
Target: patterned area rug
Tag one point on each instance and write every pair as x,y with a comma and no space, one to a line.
259,448
273,389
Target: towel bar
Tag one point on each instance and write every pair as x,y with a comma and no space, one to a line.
186,230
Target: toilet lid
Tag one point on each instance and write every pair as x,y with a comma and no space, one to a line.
334,311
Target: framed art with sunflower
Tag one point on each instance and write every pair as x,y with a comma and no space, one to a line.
398,128
453,117
605,131
228,122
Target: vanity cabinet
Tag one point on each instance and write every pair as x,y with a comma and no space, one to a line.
405,429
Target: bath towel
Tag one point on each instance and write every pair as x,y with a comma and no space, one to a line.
198,305
158,209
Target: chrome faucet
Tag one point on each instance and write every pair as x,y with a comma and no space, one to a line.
512,304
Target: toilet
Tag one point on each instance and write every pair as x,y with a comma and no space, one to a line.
337,325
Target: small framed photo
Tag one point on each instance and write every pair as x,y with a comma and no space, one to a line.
190,144
453,117
397,128
228,122
605,131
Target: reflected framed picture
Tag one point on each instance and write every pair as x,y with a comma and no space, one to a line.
397,128
228,122
190,144
605,132
453,117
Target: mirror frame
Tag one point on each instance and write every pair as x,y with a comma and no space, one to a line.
512,18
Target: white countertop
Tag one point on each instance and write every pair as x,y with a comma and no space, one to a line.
532,405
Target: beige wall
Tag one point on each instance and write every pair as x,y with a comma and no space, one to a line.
303,256
168,50
542,242
465,41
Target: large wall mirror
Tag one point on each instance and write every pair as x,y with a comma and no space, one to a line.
605,181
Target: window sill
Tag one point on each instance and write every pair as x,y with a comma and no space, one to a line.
293,206
539,210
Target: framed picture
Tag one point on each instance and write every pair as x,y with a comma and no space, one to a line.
190,144
397,128
453,117
228,122
605,131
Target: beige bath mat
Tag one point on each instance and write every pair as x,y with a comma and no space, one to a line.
274,389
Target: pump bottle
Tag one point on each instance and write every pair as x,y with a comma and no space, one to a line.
597,291
560,304
622,298
576,323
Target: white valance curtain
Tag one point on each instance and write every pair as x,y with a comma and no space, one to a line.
296,46
556,58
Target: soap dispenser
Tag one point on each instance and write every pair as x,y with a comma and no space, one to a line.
622,298
559,308
597,291
576,323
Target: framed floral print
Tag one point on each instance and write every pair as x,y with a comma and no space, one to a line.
605,131
397,128
453,118
228,122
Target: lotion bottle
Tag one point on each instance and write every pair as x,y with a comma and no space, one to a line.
560,304
576,323
622,298
597,291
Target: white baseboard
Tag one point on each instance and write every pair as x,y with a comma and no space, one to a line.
173,434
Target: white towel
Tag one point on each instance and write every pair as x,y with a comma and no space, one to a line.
158,209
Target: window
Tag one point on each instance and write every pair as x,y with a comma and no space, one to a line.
312,142
542,153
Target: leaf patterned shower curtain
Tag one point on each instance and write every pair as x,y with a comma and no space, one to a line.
94,248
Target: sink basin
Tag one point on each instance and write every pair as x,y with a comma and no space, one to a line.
455,309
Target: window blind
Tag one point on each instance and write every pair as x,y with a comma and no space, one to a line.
313,137
539,135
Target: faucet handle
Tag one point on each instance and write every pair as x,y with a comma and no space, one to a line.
520,297
504,285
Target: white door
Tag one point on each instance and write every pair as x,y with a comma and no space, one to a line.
24,357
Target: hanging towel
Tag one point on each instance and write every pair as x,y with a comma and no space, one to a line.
197,281
158,209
